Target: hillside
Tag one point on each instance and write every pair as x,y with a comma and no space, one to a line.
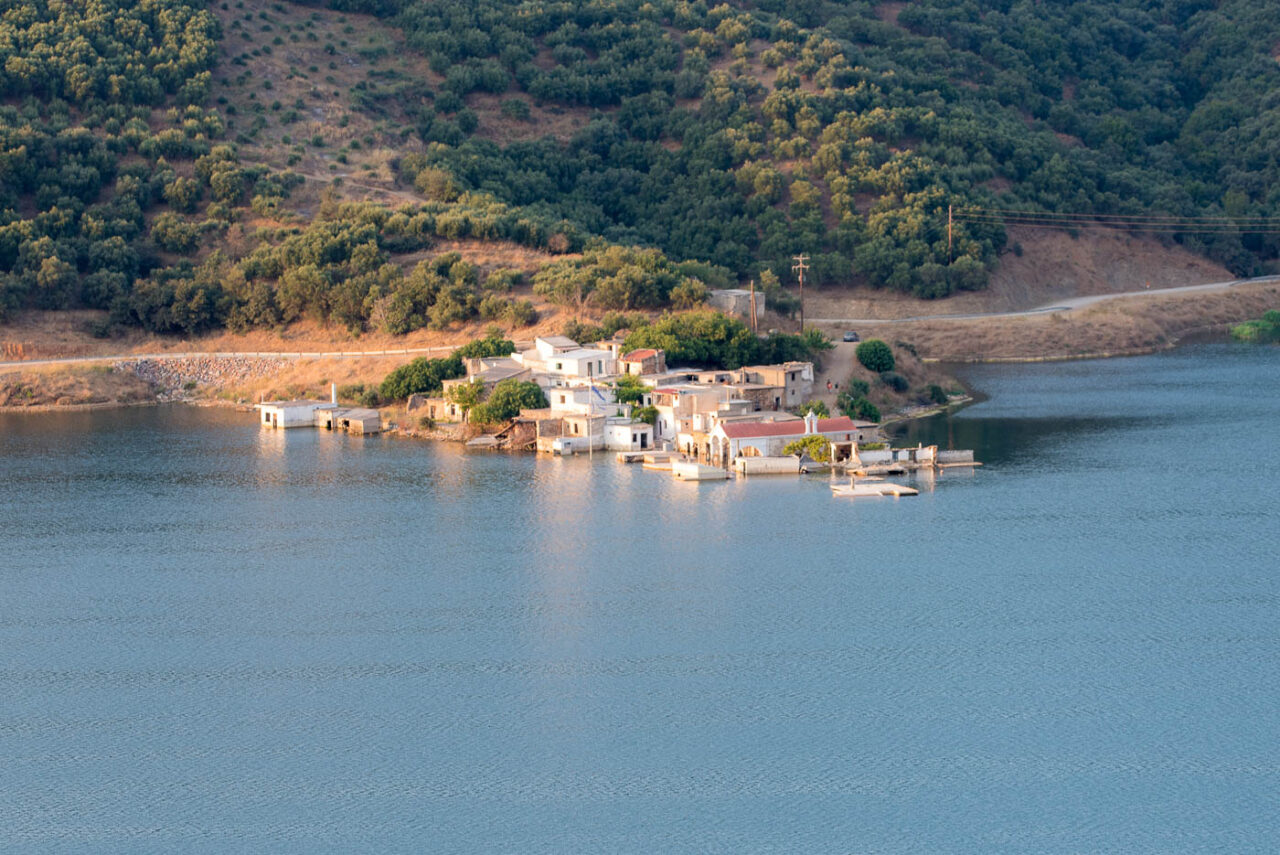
397,165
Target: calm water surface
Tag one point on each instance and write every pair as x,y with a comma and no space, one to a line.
219,639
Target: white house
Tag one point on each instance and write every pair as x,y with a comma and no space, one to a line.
581,364
676,406
561,361
612,433
579,400
548,346
623,434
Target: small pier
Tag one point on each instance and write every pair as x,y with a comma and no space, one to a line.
685,470
872,490
661,461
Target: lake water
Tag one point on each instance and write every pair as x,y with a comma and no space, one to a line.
220,639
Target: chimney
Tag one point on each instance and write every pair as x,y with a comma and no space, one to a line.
810,422
333,393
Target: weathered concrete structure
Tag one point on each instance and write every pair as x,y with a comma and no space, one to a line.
736,301
291,414
356,420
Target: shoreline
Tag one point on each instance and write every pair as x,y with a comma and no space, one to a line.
1211,333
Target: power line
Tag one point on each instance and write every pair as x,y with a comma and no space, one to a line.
985,218
1012,212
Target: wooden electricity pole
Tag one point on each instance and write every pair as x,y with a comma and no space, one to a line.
755,326
800,267
948,249
948,235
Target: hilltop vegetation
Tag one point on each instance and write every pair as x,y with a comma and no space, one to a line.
713,143
741,135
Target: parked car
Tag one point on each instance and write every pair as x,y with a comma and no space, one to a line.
850,335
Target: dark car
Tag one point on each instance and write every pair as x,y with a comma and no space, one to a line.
850,335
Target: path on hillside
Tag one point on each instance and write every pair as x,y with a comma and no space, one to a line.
1067,305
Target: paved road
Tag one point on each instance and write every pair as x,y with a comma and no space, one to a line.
1068,305
236,354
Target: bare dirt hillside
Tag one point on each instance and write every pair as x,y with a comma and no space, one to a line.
1051,266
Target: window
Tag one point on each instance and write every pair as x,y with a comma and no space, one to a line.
562,399
559,366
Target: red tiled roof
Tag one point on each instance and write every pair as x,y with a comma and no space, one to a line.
753,430
637,355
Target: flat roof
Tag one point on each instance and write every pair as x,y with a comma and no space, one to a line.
582,353
499,372
287,404
558,340
689,388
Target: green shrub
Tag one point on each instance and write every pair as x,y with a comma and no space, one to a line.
875,355
521,313
493,344
503,279
514,108
937,394
861,408
420,376
818,407
1266,328
506,401
815,445
894,381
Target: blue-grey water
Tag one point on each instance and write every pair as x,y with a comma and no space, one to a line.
220,639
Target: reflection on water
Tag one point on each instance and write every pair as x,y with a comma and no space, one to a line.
218,638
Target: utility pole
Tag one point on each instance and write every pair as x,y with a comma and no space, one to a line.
800,267
948,249
755,327
948,236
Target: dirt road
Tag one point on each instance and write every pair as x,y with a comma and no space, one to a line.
237,354
1067,305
